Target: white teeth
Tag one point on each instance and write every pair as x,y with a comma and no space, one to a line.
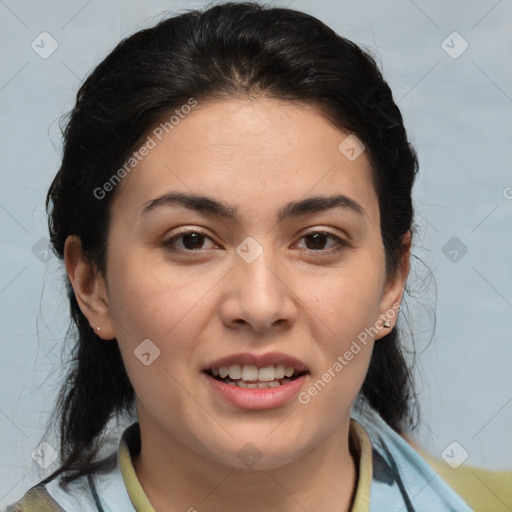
279,371
235,371
250,373
255,385
266,373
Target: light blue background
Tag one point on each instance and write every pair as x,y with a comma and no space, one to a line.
458,112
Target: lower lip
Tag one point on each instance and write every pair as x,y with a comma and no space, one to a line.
267,398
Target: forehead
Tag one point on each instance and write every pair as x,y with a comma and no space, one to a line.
260,151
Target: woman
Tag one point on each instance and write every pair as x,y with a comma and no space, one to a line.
234,213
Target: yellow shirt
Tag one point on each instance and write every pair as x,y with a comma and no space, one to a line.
485,491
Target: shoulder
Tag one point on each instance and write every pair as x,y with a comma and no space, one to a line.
36,499
77,495
100,486
481,489
401,478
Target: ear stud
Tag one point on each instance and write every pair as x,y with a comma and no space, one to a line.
386,324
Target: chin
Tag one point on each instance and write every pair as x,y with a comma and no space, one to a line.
257,450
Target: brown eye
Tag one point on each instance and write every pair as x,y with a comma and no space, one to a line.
193,241
317,241
190,241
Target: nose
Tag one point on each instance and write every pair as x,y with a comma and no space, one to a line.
260,295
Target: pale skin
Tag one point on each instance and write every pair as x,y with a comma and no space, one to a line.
203,301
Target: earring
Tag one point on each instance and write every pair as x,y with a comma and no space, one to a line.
386,323
98,329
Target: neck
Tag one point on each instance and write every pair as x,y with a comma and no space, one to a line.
177,478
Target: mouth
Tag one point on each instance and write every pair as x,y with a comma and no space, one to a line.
251,376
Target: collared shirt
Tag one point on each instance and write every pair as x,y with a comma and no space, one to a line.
392,476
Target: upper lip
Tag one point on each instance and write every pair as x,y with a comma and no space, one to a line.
259,360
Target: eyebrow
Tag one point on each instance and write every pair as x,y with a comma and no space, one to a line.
208,205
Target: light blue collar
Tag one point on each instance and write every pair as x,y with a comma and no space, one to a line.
402,481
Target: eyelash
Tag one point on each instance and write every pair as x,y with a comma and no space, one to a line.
341,244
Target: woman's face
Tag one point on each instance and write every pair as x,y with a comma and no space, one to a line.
242,270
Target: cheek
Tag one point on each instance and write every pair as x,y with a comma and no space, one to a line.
156,329
151,299
346,300
345,307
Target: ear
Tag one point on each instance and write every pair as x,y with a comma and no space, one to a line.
394,290
90,288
